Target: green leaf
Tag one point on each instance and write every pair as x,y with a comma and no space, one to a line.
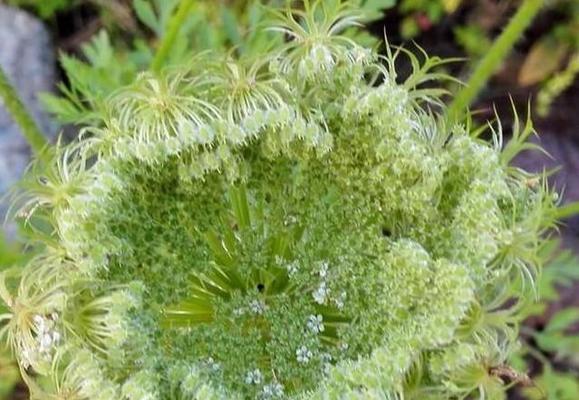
373,9
147,16
563,320
554,386
9,374
99,51
473,39
231,26
568,210
549,342
64,110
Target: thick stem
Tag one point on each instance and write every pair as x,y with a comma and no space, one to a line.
172,31
492,60
21,116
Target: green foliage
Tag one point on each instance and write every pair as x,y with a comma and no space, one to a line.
492,60
289,221
557,84
373,9
109,67
556,342
220,27
44,8
556,49
551,63
9,374
473,40
12,102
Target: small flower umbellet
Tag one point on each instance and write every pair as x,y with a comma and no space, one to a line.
304,226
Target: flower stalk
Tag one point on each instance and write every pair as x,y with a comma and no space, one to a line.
493,59
171,35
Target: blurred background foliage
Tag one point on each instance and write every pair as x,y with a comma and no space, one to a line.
104,44
10,257
549,341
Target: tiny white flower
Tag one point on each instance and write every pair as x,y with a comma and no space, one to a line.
39,323
315,323
340,300
56,337
26,360
290,220
272,390
239,312
257,307
303,355
254,377
212,364
326,362
293,268
321,293
324,269
45,342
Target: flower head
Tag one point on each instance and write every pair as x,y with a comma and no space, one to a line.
302,228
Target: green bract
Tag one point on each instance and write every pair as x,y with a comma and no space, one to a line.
301,226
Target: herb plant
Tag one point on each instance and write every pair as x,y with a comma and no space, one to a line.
298,224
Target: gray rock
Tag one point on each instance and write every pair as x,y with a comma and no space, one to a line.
27,57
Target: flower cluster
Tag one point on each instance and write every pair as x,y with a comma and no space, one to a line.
47,338
304,226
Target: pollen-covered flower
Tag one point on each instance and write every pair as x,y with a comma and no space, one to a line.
301,227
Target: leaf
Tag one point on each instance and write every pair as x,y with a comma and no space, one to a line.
99,51
544,58
563,320
231,26
9,253
147,16
537,309
553,386
63,109
373,9
568,210
549,342
473,39
165,10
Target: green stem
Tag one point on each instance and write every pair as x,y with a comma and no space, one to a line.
169,39
21,116
492,60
